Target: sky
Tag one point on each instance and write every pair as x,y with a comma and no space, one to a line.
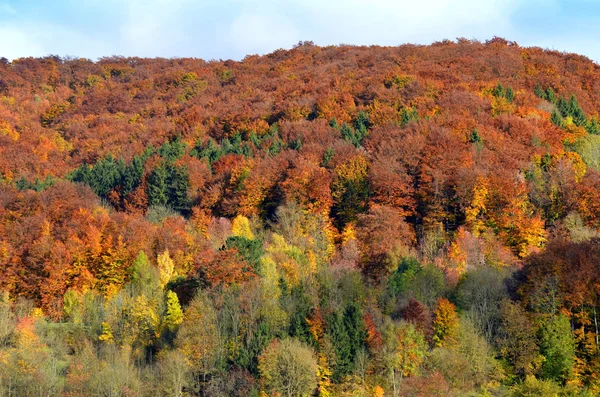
232,29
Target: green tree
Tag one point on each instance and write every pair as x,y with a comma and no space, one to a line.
539,92
158,187
510,94
557,345
550,95
557,119
173,315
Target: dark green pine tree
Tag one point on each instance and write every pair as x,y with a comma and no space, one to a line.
576,112
593,127
539,92
510,94
361,126
475,137
355,328
178,183
334,123
550,95
349,134
498,91
132,175
564,107
557,119
342,344
158,186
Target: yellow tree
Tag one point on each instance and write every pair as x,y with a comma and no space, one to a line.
445,323
165,267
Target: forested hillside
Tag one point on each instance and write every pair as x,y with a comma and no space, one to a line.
320,221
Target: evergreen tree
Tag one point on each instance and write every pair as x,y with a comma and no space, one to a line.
361,125
593,127
539,92
510,94
498,91
576,112
172,151
557,119
550,95
408,115
334,123
475,137
178,183
355,329
132,175
158,186
342,346
564,107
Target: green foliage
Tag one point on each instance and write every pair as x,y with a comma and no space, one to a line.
172,151
407,115
110,174
501,92
557,119
144,277
510,94
557,345
173,315
327,157
250,250
158,187
38,185
551,95
593,126
355,134
423,283
168,186
400,281
539,92
533,387
210,151
588,147
475,137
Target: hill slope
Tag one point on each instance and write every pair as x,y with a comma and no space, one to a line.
283,171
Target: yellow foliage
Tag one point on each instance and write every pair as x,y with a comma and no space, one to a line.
477,208
165,267
107,333
457,254
7,130
378,391
521,229
348,234
37,312
241,227
501,105
355,169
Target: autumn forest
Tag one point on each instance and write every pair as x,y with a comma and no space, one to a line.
320,221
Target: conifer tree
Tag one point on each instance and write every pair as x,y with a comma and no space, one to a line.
539,92
158,187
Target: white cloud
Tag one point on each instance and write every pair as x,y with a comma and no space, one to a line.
259,34
152,27
235,28
29,39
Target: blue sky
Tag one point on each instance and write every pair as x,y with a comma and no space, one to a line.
231,29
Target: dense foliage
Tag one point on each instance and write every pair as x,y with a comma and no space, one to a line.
331,221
